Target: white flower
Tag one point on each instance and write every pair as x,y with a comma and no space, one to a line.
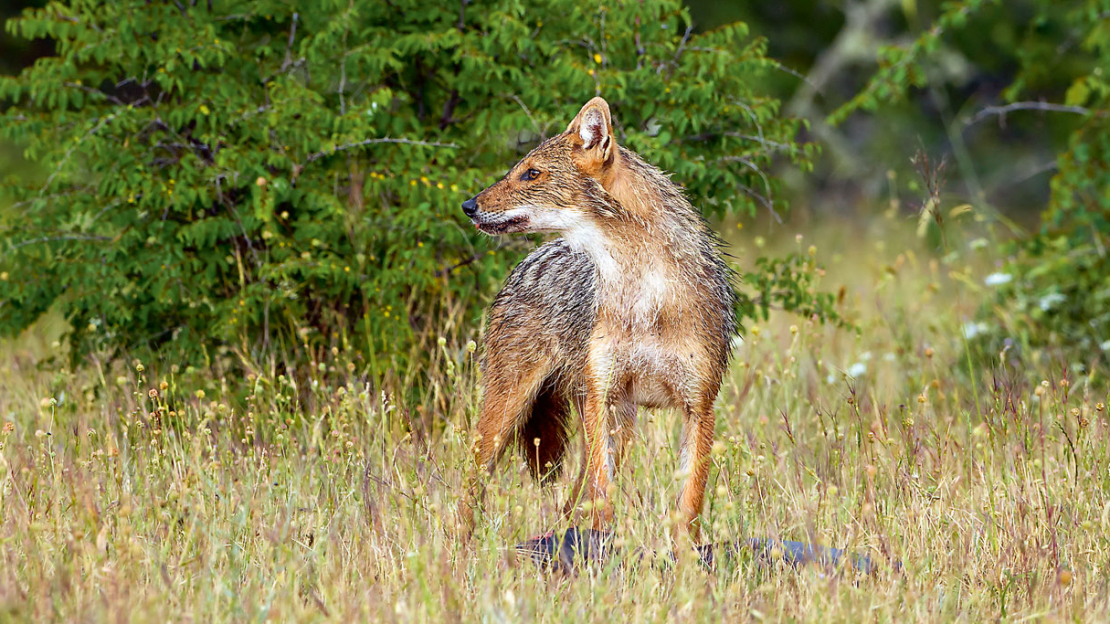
890,357
1105,346
857,369
831,379
997,279
865,356
972,329
1051,300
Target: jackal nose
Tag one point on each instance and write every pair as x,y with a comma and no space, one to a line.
470,207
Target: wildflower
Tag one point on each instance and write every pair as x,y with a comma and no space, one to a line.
471,346
998,279
1051,300
972,329
857,369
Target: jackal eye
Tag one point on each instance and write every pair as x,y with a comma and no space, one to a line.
529,175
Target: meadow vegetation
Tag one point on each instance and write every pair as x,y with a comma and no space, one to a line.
146,492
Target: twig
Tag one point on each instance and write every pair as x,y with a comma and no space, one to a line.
319,155
90,90
343,63
63,237
447,270
1002,111
527,112
767,200
289,46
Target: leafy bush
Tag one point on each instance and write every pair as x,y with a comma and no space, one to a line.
1054,287
227,177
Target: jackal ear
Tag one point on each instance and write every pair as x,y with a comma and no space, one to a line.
594,127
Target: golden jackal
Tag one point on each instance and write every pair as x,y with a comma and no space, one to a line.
632,306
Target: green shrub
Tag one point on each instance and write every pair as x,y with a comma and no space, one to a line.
228,177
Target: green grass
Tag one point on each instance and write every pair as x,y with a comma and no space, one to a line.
148,494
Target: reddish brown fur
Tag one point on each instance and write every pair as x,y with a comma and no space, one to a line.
633,306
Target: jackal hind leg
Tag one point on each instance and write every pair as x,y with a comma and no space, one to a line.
507,403
695,450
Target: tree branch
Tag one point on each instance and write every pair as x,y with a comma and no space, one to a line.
319,155
289,45
1002,111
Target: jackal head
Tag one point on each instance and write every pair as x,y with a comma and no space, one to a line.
558,186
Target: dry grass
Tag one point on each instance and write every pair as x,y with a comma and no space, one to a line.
331,502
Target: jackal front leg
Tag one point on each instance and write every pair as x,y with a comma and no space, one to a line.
605,401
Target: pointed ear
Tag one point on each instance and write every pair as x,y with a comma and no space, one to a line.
594,127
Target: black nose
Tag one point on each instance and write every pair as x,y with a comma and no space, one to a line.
470,207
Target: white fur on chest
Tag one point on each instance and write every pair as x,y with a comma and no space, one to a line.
635,288
586,237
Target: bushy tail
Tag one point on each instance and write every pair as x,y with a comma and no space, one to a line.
549,423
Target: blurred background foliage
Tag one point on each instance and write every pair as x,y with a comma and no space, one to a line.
985,114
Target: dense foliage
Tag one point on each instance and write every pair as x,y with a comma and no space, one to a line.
1054,287
227,176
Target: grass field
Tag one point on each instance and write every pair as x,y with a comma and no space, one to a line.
141,493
